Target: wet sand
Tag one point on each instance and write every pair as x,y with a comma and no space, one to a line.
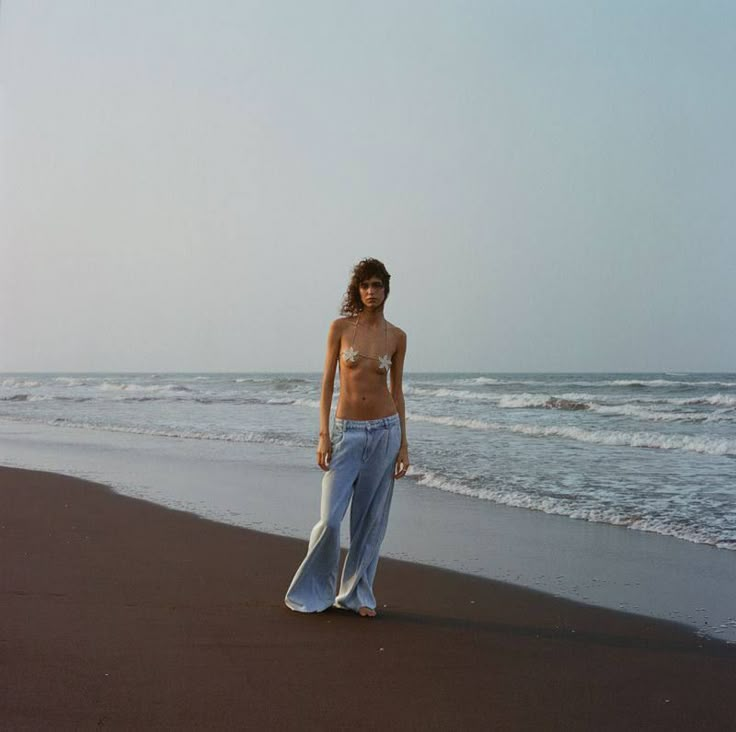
116,612
274,489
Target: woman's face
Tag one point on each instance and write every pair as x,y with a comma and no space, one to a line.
372,293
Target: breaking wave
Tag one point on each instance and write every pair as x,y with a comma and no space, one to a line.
706,445
679,528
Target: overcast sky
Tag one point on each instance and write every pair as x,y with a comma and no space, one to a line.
185,186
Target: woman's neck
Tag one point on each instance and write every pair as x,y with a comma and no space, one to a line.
371,317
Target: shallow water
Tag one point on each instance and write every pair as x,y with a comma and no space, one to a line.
652,452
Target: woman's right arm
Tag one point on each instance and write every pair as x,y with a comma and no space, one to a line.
324,448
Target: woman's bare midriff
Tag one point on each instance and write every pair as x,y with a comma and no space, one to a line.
364,394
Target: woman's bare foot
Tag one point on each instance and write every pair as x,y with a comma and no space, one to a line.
367,612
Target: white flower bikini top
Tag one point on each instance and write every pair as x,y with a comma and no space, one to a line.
351,355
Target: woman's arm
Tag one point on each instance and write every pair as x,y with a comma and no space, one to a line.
324,448
397,392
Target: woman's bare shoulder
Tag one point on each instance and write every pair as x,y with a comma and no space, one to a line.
339,325
396,331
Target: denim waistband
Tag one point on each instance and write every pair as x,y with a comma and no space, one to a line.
367,424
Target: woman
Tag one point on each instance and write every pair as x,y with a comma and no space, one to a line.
367,450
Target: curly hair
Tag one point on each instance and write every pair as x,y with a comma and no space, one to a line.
365,269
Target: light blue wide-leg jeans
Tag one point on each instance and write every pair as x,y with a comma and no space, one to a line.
362,468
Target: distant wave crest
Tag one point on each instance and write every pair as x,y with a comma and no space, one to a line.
112,386
705,445
636,383
13,383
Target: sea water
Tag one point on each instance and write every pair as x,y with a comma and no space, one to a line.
650,452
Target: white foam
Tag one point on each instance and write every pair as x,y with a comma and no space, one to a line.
24,398
572,400
311,403
435,480
667,383
111,386
546,401
643,382
572,509
13,383
647,383
248,436
522,401
718,400
722,415
644,413
474,424
705,445
459,394
69,381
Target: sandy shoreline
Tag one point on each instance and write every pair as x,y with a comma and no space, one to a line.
117,612
274,489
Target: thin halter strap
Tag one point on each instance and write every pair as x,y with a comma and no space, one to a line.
355,330
385,335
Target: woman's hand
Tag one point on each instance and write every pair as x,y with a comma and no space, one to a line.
402,462
324,452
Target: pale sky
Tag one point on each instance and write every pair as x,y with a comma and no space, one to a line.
185,186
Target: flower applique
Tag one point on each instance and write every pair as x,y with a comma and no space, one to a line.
384,362
350,354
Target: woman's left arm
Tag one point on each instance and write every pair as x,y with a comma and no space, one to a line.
397,392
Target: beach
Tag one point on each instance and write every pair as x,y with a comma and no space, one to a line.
233,228
544,568
275,488
120,613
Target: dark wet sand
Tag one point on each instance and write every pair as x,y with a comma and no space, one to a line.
115,612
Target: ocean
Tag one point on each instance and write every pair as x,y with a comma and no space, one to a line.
649,452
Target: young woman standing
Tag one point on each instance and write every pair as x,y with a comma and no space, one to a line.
365,453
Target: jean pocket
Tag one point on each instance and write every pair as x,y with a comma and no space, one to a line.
338,435
394,440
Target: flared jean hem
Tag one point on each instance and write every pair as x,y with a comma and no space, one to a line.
360,475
